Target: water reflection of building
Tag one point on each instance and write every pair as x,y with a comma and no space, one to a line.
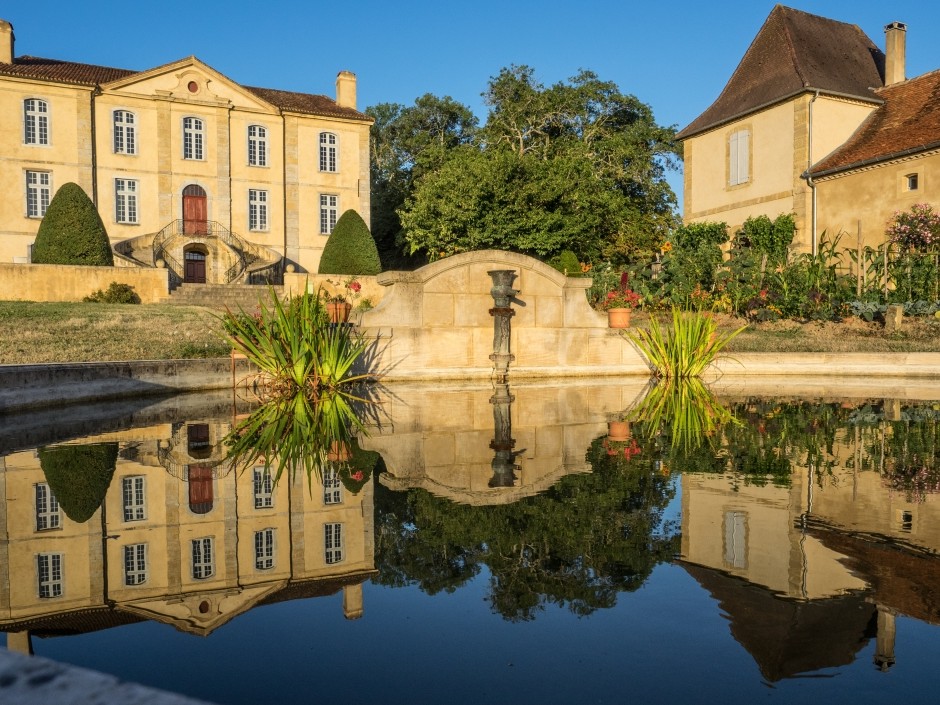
808,574
179,538
456,443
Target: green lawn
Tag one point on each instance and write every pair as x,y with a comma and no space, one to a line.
85,332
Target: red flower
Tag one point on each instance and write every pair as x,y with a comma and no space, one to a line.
357,476
354,286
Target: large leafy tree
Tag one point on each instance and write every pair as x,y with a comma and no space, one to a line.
577,166
578,545
406,142
71,232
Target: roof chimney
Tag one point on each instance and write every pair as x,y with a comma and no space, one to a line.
6,42
346,89
895,34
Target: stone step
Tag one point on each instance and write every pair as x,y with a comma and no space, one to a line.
221,296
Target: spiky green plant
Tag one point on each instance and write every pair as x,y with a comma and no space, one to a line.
684,350
684,409
294,346
294,432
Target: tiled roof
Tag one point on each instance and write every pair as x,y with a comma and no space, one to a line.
796,52
306,103
907,122
91,75
62,71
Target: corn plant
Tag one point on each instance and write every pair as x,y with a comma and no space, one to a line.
684,350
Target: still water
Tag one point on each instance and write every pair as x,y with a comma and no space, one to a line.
494,544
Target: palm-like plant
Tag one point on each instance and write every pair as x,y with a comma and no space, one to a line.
686,349
294,346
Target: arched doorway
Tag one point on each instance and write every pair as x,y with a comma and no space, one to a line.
194,264
195,210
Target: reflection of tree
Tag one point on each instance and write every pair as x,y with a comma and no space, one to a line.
579,544
911,447
79,476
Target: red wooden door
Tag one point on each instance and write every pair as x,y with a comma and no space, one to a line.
194,267
195,210
200,489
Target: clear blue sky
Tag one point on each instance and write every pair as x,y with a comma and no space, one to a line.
675,55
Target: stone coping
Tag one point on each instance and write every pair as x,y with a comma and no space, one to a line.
24,387
33,680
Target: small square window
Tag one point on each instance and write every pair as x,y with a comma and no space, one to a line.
913,182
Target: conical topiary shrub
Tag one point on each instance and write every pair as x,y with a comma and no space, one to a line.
351,248
79,476
71,232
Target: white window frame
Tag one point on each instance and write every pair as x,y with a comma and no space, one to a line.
257,209
135,564
125,201
263,483
49,574
739,157
257,145
35,121
38,193
329,212
735,539
333,543
48,514
134,494
329,152
203,554
194,130
332,486
264,549
125,132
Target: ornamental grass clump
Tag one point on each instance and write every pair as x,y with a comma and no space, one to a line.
294,346
686,349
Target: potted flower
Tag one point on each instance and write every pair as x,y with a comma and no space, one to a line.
619,303
339,304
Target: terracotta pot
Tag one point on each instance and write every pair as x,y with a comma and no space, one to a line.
618,317
338,452
618,430
338,311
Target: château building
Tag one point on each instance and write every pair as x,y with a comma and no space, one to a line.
817,121
190,170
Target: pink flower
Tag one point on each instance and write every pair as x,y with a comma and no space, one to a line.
357,476
354,286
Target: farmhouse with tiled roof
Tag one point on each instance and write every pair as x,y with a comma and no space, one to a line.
215,181
819,122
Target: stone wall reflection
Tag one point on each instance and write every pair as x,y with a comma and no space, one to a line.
178,538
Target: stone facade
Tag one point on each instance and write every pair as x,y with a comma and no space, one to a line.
255,161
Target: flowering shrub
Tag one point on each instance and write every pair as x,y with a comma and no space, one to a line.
916,229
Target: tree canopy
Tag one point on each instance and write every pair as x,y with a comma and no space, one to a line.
71,232
574,166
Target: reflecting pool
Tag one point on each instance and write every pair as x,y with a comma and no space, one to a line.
565,543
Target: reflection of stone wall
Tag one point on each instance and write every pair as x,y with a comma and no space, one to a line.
753,533
95,592
439,438
435,323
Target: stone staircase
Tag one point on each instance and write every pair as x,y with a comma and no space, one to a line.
221,296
